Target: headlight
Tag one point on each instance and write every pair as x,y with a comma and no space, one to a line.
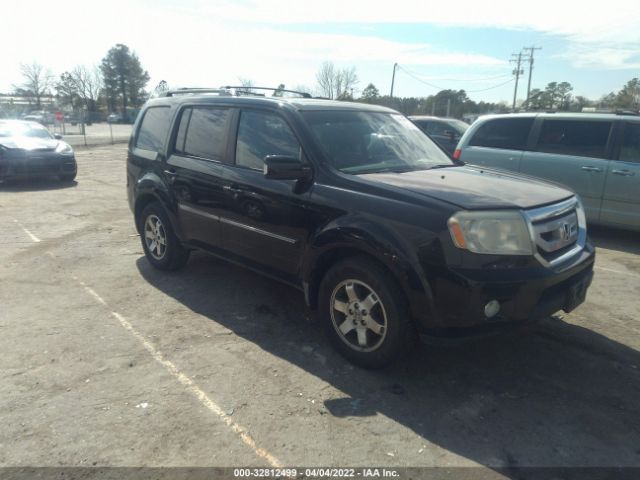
491,232
64,148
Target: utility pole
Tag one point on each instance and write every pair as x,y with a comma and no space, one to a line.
531,50
448,107
393,78
517,72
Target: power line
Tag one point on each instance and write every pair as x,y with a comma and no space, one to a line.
503,75
443,88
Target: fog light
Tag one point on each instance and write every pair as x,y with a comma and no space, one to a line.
492,308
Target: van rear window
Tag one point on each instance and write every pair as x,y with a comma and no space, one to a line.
507,133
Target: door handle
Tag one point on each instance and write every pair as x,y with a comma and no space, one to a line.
171,175
588,168
624,173
231,188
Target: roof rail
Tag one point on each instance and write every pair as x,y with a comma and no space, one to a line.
183,91
620,111
245,90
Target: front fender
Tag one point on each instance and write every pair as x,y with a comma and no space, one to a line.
355,234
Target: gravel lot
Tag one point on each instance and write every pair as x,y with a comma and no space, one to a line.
106,362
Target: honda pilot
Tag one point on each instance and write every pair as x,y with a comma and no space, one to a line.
385,236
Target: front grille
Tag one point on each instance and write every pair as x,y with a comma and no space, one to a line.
558,231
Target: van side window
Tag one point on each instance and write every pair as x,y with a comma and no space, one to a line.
630,151
507,133
261,134
203,132
153,129
574,137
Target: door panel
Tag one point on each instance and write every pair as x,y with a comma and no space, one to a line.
573,153
621,202
266,221
198,189
585,176
493,158
195,171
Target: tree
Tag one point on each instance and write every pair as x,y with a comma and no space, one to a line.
89,84
279,91
246,86
161,88
67,91
38,81
124,78
370,93
80,87
336,83
629,96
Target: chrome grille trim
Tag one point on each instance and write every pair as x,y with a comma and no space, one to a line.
545,219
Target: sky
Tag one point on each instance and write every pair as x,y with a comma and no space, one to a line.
437,44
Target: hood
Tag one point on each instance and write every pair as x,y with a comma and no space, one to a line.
475,188
27,143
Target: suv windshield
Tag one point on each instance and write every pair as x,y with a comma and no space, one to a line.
367,142
23,130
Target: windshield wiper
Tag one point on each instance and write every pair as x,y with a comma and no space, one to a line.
442,165
396,169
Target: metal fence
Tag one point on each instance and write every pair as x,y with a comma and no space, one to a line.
80,133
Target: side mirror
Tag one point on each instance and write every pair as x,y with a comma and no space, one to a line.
57,136
282,167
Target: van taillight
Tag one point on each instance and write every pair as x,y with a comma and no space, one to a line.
456,154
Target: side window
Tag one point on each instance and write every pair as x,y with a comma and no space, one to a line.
206,132
437,128
630,151
574,137
153,129
261,134
507,133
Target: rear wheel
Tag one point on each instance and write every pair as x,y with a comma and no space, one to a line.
161,246
365,313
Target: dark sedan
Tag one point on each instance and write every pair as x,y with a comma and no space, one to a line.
444,131
28,149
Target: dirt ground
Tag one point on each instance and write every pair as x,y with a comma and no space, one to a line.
107,362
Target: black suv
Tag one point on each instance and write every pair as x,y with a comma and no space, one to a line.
352,204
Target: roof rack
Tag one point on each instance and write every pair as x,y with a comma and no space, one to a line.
244,90
183,91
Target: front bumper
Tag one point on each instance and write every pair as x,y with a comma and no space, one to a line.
31,166
525,294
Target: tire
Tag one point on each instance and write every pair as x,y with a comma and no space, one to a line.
67,177
154,225
382,313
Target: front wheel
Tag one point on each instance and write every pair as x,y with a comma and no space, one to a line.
159,242
366,315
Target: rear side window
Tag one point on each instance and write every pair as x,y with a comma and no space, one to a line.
630,151
203,132
574,137
261,134
154,128
507,133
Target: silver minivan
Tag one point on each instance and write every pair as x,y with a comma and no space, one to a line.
596,155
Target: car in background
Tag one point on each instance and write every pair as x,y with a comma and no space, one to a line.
114,118
27,149
40,116
595,155
446,132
